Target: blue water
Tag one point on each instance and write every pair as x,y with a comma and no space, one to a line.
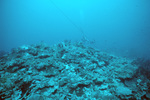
120,27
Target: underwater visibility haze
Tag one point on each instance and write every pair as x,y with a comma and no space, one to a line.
118,26
75,49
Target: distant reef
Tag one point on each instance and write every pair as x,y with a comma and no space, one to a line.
71,71
2,53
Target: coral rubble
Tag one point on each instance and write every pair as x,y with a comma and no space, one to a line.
69,71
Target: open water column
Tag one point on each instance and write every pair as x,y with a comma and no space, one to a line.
74,49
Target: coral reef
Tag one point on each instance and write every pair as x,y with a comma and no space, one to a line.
70,71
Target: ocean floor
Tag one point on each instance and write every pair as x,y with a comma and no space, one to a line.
71,71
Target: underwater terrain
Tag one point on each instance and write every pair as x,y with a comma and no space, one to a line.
71,71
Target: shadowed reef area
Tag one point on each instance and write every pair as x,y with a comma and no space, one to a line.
71,71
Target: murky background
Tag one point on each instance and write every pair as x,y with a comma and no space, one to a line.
121,27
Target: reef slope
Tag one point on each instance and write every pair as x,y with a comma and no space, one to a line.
69,71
